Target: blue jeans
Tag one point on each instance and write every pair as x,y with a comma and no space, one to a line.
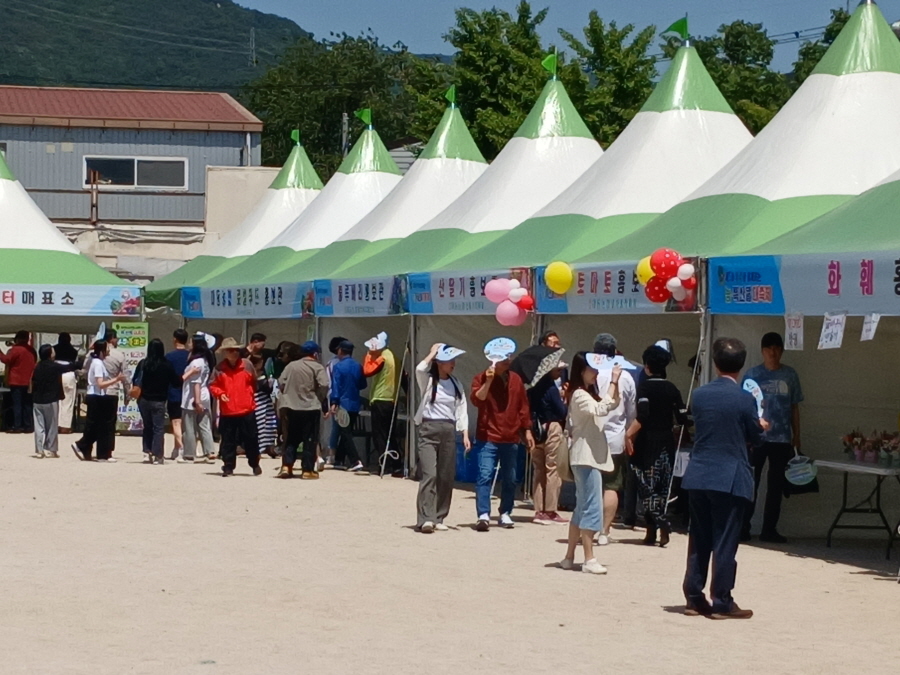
23,416
487,463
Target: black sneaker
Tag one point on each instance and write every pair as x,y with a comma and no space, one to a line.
226,473
772,538
483,524
77,451
257,470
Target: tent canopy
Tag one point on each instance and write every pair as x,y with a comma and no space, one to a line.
838,136
548,152
685,122
448,165
293,189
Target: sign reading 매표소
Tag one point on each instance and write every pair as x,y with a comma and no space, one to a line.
43,300
852,283
380,296
449,293
272,301
605,289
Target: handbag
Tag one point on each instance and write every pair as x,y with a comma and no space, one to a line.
539,430
563,467
800,476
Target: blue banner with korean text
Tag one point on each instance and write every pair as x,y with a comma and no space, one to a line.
274,301
458,293
379,296
70,300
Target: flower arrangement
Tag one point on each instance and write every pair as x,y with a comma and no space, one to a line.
881,447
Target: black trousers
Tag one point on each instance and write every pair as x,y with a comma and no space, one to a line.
23,415
239,430
382,414
778,456
629,498
715,531
346,446
301,428
100,426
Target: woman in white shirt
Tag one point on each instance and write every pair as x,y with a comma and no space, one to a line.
196,418
588,454
99,425
441,415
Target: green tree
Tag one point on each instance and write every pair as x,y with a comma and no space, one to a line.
620,74
738,59
316,82
812,52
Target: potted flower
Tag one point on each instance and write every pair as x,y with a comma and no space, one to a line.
853,444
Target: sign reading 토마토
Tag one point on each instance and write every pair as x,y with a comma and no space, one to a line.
272,301
42,300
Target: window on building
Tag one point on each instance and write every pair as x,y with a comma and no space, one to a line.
136,172
3,150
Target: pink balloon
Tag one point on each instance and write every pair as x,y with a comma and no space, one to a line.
497,290
508,314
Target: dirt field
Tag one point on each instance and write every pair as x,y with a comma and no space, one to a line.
129,568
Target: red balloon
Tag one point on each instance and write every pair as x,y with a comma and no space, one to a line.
665,263
526,303
656,290
689,284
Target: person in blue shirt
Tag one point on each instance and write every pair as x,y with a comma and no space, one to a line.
347,380
719,481
178,357
782,395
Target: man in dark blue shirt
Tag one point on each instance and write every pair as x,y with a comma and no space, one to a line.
347,380
719,480
178,357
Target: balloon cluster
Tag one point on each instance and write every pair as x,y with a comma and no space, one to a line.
665,274
513,302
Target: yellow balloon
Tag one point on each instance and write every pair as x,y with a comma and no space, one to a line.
644,272
558,276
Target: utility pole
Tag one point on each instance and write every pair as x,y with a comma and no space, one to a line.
252,54
345,134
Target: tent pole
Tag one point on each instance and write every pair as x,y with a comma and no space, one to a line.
244,331
411,398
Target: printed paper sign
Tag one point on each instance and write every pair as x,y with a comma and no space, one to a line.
832,331
133,340
71,300
793,332
870,325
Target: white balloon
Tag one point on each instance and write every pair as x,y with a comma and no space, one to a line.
679,293
686,271
514,283
517,294
674,284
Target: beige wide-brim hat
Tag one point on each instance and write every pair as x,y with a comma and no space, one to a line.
229,343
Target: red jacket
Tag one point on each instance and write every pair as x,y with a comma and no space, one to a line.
20,361
504,414
238,383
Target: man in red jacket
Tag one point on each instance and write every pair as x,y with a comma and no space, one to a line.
504,419
20,361
234,386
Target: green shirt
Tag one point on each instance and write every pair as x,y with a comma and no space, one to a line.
384,382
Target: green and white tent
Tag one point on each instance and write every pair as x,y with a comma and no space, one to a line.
681,137
870,222
293,189
447,166
551,149
838,136
42,274
365,177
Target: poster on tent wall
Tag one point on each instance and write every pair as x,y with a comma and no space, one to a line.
610,288
71,300
378,296
851,283
458,293
273,301
133,340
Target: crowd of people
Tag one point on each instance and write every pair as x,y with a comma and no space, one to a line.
607,425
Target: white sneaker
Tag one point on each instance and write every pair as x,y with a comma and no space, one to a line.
182,460
484,523
54,455
602,540
110,460
593,567
358,467
440,527
39,455
505,521
427,528
320,465
201,460
566,564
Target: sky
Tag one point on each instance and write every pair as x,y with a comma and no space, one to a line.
420,24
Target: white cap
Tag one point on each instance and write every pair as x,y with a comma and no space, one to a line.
377,343
447,353
499,349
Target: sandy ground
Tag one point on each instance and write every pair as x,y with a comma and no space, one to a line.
129,568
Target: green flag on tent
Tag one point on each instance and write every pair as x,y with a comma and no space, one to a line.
365,115
450,95
295,136
550,62
680,27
